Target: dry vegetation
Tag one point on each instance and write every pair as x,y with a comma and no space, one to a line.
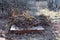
20,19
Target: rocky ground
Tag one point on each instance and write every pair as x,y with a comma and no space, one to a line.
49,34
56,30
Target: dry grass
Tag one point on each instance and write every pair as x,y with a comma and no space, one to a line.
48,13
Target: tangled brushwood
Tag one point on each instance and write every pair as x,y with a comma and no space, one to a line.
22,20
25,20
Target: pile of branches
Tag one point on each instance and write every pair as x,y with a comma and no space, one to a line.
22,19
25,20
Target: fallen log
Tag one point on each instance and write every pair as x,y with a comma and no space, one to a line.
29,30
25,31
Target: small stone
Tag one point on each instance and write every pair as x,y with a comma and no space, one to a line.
2,38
